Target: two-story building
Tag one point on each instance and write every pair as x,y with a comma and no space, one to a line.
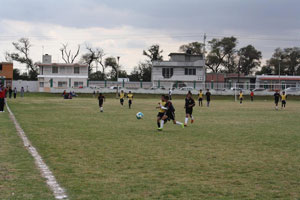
61,75
6,73
182,70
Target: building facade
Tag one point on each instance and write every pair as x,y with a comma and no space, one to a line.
61,75
182,70
6,73
273,81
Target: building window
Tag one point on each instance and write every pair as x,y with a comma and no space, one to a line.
42,84
189,71
62,84
62,70
76,70
54,70
78,84
0,67
167,72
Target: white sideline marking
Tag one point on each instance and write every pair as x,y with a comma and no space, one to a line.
59,192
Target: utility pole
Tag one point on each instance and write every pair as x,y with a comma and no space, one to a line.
118,58
204,51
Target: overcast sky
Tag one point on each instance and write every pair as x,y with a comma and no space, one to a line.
126,27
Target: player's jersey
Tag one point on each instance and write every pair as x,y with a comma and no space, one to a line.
208,94
252,94
276,96
162,103
189,103
122,94
130,96
101,98
170,107
200,95
241,95
283,97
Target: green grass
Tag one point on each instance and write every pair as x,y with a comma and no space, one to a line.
232,151
19,178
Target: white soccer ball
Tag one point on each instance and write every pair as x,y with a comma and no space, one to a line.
139,115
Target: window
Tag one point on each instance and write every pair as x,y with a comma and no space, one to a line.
78,84
62,84
54,70
76,70
167,72
42,84
62,70
0,67
189,71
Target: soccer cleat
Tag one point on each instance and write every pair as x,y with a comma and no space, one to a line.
183,125
159,129
192,121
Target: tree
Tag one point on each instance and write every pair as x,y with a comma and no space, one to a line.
16,74
154,53
22,55
97,76
221,54
249,59
112,63
267,70
67,54
196,48
142,71
92,58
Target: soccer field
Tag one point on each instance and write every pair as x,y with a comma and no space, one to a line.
232,151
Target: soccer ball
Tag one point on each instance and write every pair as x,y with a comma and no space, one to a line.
139,115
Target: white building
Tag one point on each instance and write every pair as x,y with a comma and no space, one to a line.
61,75
180,71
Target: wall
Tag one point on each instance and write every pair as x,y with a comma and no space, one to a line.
30,86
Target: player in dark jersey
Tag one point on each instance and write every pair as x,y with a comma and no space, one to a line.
161,112
169,114
189,104
101,99
207,94
276,98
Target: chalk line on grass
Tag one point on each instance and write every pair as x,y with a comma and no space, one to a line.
58,191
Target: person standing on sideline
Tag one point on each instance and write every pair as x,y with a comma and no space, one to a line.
15,93
252,95
101,99
2,98
170,94
22,92
241,97
10,92
208,94
200,98
276,98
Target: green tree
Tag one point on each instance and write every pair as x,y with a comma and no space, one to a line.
142,71
196,48
115,68
154,53
249,59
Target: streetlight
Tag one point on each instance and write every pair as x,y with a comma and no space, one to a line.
117,71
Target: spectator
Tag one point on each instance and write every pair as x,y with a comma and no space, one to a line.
22,92
10,92
15,93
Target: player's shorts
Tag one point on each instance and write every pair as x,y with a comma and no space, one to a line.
100,103
121,100
160,115
171,116
276,102
130,101
241,99
283,102
200,99
189,111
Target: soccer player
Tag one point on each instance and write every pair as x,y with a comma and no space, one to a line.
276,98
200,98
252,95
161,112
169,114
241,97
208,94
2,98
122,95
189,104
101,99
283,99
130,98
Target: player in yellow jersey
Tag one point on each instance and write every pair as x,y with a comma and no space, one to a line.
130,98
241,97
283,99
200,98
161,112
122,95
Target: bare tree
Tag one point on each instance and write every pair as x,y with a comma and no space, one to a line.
93,56
67,54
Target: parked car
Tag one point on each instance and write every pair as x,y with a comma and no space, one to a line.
115,87
179,85
258,89
155,88
292,89
186,88
236,88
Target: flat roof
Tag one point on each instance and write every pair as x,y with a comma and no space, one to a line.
184,54
62,64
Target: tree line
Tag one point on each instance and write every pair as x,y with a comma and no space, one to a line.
222,56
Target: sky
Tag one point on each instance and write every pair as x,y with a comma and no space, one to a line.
126,27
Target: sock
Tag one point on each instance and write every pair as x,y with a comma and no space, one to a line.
179,123
158,124
186,120
162,123
101,108
192,117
